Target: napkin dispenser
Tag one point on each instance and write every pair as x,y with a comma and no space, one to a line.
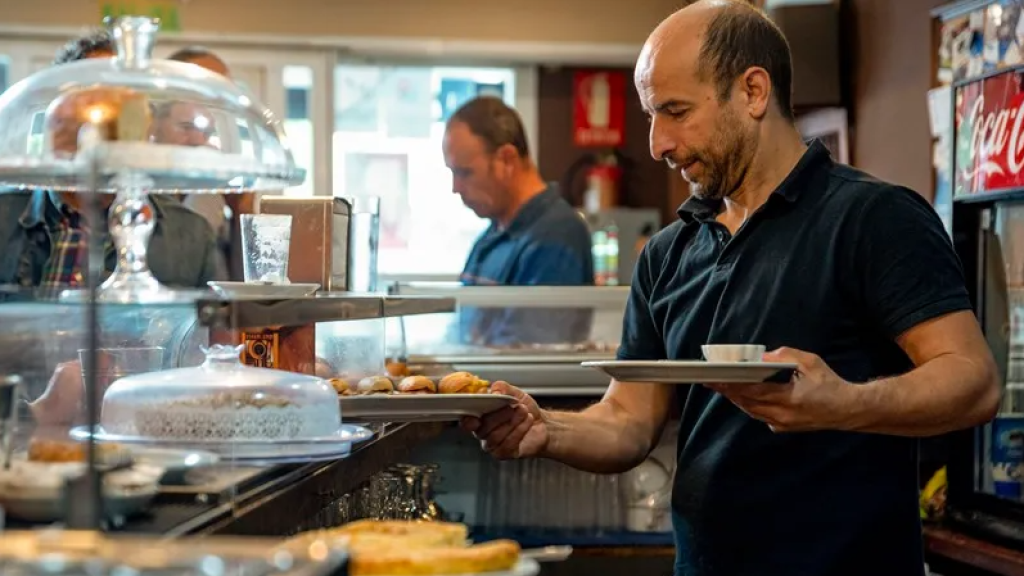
319,249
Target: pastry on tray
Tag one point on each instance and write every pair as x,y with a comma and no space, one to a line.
376,385
406,548
463,383
417,385
340,386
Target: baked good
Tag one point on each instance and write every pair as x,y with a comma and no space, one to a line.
46,450
417,385
396,369
432,533
405,548
462,383
234,415
340,385
394,559
120,114
376,385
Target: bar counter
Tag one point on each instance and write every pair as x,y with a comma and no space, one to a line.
279,500
952,553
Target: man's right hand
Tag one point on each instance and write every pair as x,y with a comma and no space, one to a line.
517,431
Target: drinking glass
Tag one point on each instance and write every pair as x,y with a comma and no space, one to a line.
363,238
266,241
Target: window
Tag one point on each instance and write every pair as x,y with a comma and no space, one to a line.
389,122
298,122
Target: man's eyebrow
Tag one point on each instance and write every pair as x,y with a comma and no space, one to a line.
674,103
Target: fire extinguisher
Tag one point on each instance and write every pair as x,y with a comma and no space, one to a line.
596,181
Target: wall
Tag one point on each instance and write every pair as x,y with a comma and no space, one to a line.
523,20
647,182
892,59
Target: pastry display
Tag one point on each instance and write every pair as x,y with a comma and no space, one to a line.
376,385
221,400
396,547
417,385
454,383
462,383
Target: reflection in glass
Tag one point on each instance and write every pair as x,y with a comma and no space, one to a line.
1004,445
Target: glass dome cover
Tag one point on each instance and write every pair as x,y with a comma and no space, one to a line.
188,130
221,400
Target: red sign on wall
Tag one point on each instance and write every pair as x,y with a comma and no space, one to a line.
599,108
990,135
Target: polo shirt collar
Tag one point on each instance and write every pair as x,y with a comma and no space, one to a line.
804,175
533,209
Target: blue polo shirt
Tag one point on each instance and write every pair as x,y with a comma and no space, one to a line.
835,263
546,244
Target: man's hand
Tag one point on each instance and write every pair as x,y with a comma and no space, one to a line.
815,399
516,431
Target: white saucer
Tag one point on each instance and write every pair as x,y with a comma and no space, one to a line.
262,290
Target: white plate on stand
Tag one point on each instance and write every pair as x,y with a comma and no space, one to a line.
266,290
694,371
420,407
337,445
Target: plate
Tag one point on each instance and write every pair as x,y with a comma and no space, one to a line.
420,407
262,290
34,491
176,462
335,446
694,371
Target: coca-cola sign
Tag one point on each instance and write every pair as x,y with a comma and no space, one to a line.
990,135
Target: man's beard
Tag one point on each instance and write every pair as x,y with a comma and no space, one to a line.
721,161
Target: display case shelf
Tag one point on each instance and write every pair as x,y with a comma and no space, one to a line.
333,307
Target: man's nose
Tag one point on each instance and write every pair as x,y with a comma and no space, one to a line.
661,143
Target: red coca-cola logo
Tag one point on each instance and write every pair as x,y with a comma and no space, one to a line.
990,154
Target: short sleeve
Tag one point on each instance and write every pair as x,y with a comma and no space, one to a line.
906,269
641,339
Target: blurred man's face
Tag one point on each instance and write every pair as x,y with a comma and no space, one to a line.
478,176
212,64
183,124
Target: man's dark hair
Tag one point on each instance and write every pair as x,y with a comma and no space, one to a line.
494,122
96,40
739,37
191,53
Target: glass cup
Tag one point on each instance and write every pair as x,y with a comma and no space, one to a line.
266,239
363,238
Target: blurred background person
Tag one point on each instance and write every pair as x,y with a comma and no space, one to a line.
535,237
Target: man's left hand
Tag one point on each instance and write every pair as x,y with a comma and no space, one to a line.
815,399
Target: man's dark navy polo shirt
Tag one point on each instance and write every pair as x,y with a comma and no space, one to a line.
545,244
835,263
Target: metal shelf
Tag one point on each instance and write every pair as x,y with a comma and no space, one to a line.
325,307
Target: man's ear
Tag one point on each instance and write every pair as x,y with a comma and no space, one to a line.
756,87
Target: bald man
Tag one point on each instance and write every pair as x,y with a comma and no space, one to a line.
851,279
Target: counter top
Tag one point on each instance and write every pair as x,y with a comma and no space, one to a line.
281,500
962,549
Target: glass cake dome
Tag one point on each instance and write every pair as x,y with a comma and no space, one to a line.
221,403
133,126
187,129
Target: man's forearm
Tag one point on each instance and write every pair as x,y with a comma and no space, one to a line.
599,439
934,398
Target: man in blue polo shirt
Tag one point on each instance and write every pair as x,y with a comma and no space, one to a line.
535,237
852,279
